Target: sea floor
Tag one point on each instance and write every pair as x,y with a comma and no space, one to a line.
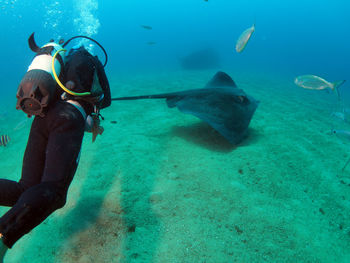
161,186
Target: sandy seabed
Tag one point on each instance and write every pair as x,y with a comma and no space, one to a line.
161,186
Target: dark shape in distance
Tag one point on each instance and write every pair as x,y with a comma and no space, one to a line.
4,140
151,43
146,27
220,103
202,59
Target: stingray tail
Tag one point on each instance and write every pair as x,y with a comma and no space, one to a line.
142,97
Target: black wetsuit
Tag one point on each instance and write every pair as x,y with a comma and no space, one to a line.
49,164
52,153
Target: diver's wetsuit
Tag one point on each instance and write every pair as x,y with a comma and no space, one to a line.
49,164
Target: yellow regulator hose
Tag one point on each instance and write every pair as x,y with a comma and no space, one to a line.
60,83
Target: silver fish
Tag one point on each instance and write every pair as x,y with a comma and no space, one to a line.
342,134
339,115
244,38
317,83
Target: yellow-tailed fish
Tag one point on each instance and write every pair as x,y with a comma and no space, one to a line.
317,83
244,38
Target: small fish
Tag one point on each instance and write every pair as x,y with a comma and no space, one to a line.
21,124
342,134
317,83
4,140
339,115
146,27
151,43
244,38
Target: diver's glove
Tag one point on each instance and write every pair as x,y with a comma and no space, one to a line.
92,125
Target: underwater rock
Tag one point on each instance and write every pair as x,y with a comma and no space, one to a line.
201,59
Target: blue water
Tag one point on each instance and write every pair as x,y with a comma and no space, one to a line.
292,36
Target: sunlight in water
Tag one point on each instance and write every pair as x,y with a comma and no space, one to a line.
87,23
53,18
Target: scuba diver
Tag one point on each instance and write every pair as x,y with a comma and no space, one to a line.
62,113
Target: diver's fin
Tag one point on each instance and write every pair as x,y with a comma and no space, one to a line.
33,46
221,79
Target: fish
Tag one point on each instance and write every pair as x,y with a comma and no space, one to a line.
314,82
342,133
146,27
4,140
151,43
339,115
244,38
21,124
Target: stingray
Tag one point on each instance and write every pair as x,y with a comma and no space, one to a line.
220,103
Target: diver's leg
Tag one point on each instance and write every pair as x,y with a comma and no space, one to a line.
10,191
34,155
3,250
33,165
66,130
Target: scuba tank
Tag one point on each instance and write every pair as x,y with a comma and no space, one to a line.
39,85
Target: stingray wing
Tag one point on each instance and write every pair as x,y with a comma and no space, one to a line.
228,110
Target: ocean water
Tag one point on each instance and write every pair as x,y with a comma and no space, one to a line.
162,186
